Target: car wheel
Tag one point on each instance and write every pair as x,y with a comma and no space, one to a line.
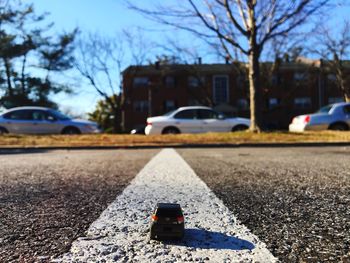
3,131
170,130
240,127
339,127
71,131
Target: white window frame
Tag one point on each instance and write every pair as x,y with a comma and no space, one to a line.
227,88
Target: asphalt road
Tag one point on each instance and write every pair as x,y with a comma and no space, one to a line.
295,200
49,199
212,233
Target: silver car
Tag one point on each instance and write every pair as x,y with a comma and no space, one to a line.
39,120
332,117
194,119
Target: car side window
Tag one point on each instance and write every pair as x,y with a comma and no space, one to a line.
346,109
207,114
18,115
38,115
186,114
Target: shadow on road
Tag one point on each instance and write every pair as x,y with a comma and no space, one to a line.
201,238
22,151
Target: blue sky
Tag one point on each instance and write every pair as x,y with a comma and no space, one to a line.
106,17
103,16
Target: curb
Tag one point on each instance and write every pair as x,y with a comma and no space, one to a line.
9,150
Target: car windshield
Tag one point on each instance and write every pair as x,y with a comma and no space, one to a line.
169,113
325,109
59,115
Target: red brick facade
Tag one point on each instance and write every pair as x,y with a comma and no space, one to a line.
289,89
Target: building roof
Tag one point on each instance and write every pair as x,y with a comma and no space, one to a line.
300,63
154,70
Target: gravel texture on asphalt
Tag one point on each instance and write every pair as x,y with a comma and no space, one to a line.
212,233
296,200
49,199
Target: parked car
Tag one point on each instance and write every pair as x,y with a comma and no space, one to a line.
331,117
39,120
167,221
194,119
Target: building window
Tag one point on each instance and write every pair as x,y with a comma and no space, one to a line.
302,103
242,104
332,100
220,89
169,105
275,79
273,103
141,106
170,82
140,82
195,82
298,76
331,77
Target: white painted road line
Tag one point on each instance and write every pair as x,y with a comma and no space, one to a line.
212,232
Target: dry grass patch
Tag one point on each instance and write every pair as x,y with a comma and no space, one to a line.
164,140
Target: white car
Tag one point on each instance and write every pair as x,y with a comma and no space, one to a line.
194,119
39,120
331,117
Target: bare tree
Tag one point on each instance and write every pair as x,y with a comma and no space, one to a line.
101,60
334,47
243,25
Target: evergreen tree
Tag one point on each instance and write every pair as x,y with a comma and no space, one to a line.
23,38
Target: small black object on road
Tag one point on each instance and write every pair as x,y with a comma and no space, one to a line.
167,222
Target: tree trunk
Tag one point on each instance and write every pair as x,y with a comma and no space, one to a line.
122,112
117,112
254,72
116,120
23,82
345,89
254,90
8,76
150,101
341,79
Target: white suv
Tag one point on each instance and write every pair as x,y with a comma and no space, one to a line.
194,119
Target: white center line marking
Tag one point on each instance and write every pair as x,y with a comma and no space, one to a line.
212,232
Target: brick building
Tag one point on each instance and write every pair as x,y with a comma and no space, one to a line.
289,89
